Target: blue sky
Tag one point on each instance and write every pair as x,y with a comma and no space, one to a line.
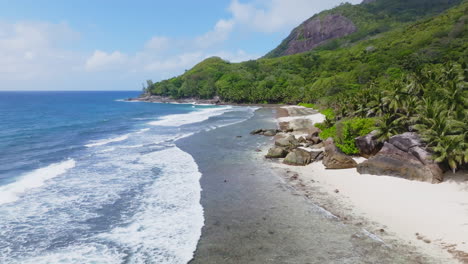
117,45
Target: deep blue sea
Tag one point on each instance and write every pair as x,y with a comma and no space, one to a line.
86,177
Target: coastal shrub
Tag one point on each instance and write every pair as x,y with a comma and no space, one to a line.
348,130
328,113
344,133
308,105
326,132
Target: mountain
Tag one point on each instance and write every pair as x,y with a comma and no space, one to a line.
337,67
356,22
390,72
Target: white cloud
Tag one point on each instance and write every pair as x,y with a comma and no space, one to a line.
32,50
158,43
101,60
220,33
177,62
278,15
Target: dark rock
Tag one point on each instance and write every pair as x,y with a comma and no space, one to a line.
405,141
288,130
298,157
313,132
289,142
315,140
320,156
270,133
276,153
393,161
334,159
368,145
257,131
314,155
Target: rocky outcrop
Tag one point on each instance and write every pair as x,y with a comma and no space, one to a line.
314,32
169,100
301,157
368,145
276,153
404,156
265,132
335,159
289,142
298,157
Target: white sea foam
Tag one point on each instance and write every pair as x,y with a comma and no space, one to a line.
143,130
106,141
11,192
190,118
151,185
127,101
90,253
167,226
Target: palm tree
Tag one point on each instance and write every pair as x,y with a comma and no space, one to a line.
451,149
387,126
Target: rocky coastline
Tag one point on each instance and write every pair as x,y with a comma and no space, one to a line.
169,100
346,185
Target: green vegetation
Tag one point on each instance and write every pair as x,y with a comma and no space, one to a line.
432,102
373,19
308,105
320,75
345,131
410,76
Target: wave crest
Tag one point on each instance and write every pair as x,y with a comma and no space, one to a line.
37,178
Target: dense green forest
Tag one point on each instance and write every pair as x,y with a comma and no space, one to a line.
393,74
324,72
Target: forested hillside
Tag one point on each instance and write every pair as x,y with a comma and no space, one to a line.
323,72
412,76
360,22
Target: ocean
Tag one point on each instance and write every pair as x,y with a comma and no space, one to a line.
86,177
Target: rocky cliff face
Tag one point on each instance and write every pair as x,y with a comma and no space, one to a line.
315,32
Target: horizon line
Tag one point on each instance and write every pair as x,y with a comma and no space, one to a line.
69,90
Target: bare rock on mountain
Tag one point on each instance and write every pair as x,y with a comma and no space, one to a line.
316,31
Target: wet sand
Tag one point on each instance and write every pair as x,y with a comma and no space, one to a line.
253,216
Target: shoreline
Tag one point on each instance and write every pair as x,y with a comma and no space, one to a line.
432,217
191,100
253,216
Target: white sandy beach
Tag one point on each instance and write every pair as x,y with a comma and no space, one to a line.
433,217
